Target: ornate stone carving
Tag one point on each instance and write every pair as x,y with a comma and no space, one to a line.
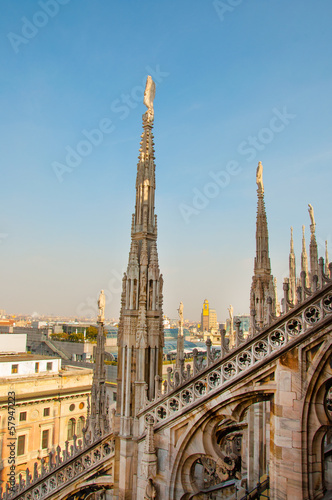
259,177
101,306
150,490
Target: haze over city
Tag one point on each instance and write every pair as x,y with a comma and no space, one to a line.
234,87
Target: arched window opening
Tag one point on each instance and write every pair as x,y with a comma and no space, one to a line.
71,429
80,426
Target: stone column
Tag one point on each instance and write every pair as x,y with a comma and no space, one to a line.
286,432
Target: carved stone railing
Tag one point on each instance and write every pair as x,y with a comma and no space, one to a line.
212,355
286,329
59,471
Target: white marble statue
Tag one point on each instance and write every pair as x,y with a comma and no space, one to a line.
149,94
180,311
259,177
101,306
230,310
311,213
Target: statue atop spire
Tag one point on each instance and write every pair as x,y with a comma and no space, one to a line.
101,307
149,95
259,177
312,218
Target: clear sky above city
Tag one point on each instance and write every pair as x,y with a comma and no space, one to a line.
237,82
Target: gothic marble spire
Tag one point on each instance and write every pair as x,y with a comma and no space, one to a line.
313,250
98,421
304,258
262,260
262,282
140,334
292,270
327,270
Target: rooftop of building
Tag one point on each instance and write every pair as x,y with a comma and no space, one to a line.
24,356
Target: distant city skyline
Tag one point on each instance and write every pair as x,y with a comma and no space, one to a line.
234,88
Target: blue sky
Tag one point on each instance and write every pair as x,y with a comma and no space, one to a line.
224,77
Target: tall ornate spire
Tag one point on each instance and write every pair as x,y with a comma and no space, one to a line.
292,270
262,282
98,422
140,338
140,334
180,345
313,245
262,260
304,258
327,270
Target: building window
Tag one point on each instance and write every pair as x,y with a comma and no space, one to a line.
49,366
14,368
23,416
72,407
81,406
114,396
46,412
71,429
36,367
20,445
80,425
45,436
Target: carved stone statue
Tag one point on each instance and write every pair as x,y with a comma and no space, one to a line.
143,284
259,177
311,213
101,306
230,310
149,94
180,311
150,490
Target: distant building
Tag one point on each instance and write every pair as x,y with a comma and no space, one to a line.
213,319
205,316
50,407
13,342
166,322
208,317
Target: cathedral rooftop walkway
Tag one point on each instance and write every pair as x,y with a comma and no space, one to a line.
221,373
67,473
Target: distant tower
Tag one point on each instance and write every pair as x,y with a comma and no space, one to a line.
304,258
292,270
205,316
262,285
140,333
